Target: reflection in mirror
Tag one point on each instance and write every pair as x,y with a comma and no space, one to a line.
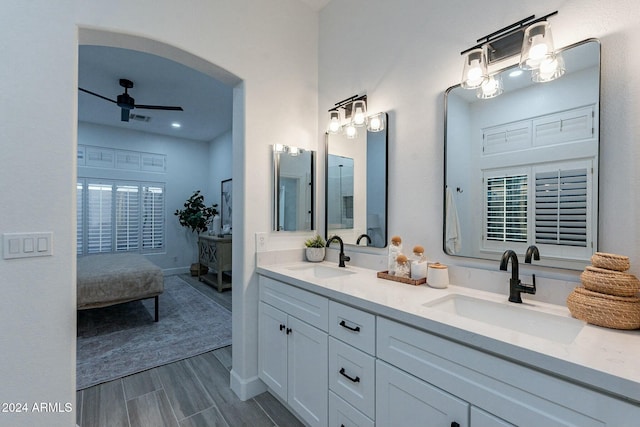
356,188
293,189
522,168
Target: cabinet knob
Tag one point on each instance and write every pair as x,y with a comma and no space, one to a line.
282,327
344,325
289,331
455,424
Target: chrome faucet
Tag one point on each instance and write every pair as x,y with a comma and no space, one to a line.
366,236
515,285
343,257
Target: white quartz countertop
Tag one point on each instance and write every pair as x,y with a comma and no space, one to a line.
600,358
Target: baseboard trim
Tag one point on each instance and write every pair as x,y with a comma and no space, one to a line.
245,389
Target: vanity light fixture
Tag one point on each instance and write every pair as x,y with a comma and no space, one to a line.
282,149
355,114
530,38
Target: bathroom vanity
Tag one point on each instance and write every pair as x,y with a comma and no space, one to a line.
344,348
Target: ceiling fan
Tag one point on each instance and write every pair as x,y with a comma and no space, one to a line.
127,103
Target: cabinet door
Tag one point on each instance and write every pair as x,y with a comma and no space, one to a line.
480,418
403,400
272,349
308,375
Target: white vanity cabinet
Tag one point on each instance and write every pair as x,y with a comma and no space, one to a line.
292,347
440,373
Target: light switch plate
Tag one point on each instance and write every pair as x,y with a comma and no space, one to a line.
262,240
25,245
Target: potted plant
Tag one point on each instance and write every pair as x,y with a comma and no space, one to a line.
196,216
315,248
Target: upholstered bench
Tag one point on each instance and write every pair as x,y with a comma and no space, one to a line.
109,279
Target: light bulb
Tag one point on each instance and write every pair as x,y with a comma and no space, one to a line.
334,125
359,109
376,123
351,131
334,121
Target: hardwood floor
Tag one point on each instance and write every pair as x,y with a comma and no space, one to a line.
189,393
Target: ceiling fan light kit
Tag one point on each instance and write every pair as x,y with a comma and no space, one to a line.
127,103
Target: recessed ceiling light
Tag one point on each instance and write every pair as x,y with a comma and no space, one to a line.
176,125
515,73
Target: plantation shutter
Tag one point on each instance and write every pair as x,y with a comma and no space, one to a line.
561,207
99,217
127,202
79,215
152,217
506,208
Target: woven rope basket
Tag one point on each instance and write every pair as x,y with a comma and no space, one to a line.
610,261
609,282
605,310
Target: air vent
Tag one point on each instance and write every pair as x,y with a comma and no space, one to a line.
139,117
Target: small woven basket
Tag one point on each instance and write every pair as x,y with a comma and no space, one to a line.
609,282
610,261
605,310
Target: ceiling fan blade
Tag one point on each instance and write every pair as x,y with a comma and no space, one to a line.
124,115
159,107
96,94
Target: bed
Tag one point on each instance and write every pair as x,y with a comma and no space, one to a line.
109,279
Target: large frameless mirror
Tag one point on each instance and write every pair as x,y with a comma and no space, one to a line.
293,196
522,168
356,187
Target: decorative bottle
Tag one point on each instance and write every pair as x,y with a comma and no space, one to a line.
403,266
418,263
395,249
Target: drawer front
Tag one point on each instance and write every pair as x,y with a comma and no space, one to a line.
306,306
341,414
353,326
352,376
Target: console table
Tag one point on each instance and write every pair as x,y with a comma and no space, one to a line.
215,253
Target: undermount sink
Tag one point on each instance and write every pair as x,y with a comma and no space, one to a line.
514,317
322,271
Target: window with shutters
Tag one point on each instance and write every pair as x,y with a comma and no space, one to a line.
554,212
115,216
506,208
561,207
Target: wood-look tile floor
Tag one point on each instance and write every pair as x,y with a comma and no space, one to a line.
190,393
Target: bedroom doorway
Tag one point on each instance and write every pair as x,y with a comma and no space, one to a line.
137,164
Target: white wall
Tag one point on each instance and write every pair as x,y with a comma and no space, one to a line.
188,170
220,166
271,47
406,53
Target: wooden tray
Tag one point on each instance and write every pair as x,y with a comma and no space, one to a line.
414,282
